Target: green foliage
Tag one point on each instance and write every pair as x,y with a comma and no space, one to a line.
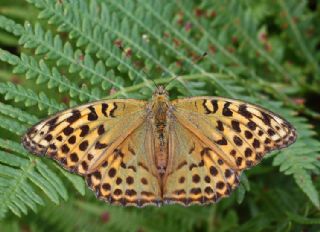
68,52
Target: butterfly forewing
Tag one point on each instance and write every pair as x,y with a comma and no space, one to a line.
239,132
196,175
128,176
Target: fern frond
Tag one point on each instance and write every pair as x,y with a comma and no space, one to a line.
304,160
10,26
92,217
291,10
247,30
76,181
146,10
303,220
88,35
42,73
12,125
53,47
29,97
21,174
64,55
18,114
209,38
118,28
15,191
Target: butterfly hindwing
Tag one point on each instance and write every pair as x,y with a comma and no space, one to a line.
129,176
196,174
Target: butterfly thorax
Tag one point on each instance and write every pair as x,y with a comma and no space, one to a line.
160,105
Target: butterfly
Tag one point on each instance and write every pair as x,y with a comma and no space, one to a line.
136,153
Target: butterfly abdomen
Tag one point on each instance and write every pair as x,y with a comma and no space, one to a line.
160,112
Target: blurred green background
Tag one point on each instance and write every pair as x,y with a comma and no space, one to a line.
59,53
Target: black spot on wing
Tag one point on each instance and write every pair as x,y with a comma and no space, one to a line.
237,140
100,145
48,137
104,108
252,125
74,116
248,152
83,146
68,130
222,141
84,130
226,110
244,111
65,149
101,129
214,105
115,106
266,118
248,134
220,126
92,116
213,170
74,157
235,125
53,123
205,107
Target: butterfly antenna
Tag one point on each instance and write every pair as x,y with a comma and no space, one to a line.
199,58
122,50
150,78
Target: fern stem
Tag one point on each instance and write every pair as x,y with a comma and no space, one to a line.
5,75
18,12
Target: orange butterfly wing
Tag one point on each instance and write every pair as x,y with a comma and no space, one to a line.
212,140
108,142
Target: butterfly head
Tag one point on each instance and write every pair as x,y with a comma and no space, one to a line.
161,92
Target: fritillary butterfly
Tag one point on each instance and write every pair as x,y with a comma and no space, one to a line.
186,151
